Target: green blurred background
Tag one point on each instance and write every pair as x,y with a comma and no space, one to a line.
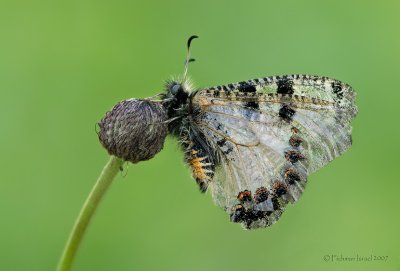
63,64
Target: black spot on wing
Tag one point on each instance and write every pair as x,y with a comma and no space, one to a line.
293,156
280,190
221,142
275,203
295,141
246,87
285,86
261,194
291,176
238,214
252,105
228,150
337,89
225,146
286,112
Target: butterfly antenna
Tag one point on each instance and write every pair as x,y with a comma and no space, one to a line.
188,59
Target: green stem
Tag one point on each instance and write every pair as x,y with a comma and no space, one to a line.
89,207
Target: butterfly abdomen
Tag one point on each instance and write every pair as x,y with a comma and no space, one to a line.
199,156
202,169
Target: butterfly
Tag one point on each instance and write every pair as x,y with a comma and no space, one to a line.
254,143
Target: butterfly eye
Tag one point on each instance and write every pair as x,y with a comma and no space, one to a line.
175,89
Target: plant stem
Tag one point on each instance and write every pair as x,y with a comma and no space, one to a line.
89,207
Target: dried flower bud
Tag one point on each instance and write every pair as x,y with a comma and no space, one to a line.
134,130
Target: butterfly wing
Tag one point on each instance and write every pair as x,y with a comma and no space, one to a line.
268,135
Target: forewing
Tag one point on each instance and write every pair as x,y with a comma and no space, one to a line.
269,135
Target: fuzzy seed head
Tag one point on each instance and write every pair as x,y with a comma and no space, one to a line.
134,130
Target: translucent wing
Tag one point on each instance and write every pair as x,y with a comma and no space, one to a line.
269,134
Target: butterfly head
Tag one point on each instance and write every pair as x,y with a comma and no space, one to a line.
178,90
